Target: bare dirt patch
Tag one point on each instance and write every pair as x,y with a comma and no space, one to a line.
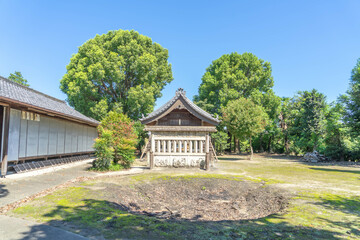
207,199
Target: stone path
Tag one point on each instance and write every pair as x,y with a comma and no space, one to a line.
13,189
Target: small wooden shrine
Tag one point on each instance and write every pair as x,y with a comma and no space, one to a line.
179,134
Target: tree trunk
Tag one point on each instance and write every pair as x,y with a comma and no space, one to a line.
230,139
251,150
269,144
236,145
261,143
287,152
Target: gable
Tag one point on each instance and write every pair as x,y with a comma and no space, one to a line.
180,108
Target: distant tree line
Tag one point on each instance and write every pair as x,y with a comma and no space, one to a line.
124,72
303,123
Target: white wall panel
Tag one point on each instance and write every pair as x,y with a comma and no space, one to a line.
43,136
14,134
23,137
32,139
60,128
53,136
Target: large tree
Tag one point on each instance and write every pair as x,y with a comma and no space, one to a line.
244,119
308,115
118,70
352,101
18,78
233,76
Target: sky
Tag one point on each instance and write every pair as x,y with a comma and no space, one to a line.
310,44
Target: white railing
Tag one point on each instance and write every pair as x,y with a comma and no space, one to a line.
184,146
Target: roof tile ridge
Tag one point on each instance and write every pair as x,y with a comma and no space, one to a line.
32,90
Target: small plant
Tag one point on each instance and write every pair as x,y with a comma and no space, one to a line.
203,188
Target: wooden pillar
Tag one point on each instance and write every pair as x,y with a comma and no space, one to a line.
5,142
180,146
185,146
196,146
201,147
207,155
174,146
152,150
158,146
164,145
169,146
190,146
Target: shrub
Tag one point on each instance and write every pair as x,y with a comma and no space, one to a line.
116,142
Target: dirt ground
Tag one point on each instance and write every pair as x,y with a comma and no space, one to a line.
210,199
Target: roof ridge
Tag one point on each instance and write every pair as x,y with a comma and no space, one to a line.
33,90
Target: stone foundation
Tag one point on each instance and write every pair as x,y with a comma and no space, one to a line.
179,161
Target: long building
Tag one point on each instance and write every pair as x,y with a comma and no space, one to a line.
37,126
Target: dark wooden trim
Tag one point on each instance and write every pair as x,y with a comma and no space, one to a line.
5,142
159,128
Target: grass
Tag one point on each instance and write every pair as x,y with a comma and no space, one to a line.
325,204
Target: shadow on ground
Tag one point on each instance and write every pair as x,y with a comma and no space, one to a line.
3,191
336,170
98,218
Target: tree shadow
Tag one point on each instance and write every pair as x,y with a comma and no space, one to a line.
335,170
349,205
3,191
100,218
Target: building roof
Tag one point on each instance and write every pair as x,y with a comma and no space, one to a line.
190,106
13,92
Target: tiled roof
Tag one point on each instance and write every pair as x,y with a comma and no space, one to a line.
21,94
180,93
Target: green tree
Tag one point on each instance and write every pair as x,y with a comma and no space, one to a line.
352,101
120,69
220,140
233,76
308,123
18,78
116,142
336,132
244,119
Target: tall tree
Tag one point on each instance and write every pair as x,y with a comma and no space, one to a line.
18,78
308,119
352,101
233,76
245,119
120,69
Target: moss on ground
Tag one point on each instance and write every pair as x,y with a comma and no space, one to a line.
326,205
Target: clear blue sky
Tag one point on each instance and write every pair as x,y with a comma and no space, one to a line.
310,44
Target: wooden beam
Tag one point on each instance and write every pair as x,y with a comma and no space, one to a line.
5,142
207,157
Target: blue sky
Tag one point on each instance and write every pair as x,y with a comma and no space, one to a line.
310,44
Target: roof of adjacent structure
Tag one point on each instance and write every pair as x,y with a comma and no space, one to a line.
191,107
19,94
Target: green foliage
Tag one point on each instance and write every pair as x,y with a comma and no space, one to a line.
120,69
233,76
116,142
103,150
18,78
220,139
352,101
244,119
307,127
336,133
